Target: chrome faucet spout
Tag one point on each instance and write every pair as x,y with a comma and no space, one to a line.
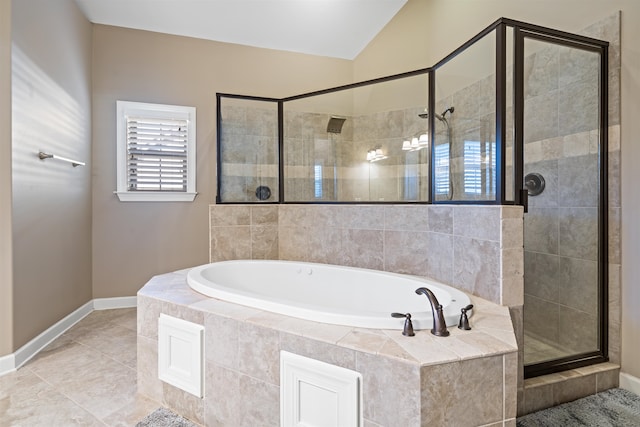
439,325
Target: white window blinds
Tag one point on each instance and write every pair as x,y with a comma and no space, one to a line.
441,164
472,168
157,154
479,167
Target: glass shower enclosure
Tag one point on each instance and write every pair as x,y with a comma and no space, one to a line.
564,162
517,115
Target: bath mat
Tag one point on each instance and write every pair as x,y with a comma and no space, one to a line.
612,408
162,417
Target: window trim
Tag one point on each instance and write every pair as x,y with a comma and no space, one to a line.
126,109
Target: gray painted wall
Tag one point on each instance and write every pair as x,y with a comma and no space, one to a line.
6,281
51,111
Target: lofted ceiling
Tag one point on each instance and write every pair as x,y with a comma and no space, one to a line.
334,28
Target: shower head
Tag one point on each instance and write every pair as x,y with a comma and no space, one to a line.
335,124
440,117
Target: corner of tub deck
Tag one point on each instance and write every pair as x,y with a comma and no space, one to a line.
492,334
492,331
171,287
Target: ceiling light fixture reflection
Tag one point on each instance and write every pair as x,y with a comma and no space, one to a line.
375,155
416,142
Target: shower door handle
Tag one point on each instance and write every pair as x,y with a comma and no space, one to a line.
524,199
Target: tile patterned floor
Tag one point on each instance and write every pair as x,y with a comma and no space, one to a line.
86,377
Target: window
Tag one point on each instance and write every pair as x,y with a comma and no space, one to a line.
472,168
441,166
155,152
317,180
479,168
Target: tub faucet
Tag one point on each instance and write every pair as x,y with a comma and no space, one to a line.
408,325
439,325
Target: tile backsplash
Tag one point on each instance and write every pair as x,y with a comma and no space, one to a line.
478,249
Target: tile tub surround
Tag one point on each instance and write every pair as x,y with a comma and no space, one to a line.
477,249
469,378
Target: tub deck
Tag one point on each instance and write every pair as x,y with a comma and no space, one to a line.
468,378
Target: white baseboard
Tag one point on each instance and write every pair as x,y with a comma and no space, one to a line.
7,364
629,382
30,349
117,302
13,361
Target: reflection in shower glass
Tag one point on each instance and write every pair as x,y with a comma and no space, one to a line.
371,156
465,140
479,170
249,151
441,166
561,143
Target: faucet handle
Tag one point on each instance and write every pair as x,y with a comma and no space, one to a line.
400,315
464,320
408,325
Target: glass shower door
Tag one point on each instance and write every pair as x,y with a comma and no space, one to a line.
563,254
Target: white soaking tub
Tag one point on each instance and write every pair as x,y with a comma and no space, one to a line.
327,293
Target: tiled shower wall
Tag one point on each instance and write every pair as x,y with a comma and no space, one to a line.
474,248
249,156
474,121
346,174
249,151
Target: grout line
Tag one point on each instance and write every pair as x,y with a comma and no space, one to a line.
89,348
57,390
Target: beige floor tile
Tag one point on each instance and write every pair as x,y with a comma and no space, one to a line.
108,386
86,377
26,400
130,414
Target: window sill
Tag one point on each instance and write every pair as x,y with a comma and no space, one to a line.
153,196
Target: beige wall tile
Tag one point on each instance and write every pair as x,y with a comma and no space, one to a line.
445,385
264,215
363,248
147,368
325,245
607,380
440,219
293,243
259,352
477,267
183,403
383,379
324,352
406,252
220,384
228,243
573,388
221,337
406,218
510,385
512,233
264,242
226,215
147,319
440,261
263,409
478,222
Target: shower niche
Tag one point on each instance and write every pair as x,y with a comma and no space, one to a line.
517,115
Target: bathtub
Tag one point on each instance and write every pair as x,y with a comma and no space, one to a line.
326,293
